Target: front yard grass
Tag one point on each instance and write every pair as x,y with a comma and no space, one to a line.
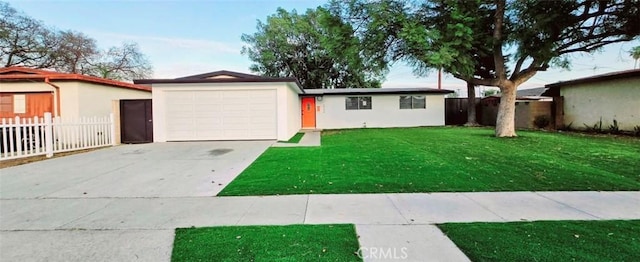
295,139
267,243
548,241
443,159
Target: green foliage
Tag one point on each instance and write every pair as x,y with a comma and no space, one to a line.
316,47
491,92
547,240
613,128
443,159
491,43
542,121
595,128
458,36
266,243
635,54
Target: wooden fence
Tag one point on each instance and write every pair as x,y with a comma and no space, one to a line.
456,110
25,137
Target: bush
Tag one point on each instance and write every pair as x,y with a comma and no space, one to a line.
596,128
614,129
542,121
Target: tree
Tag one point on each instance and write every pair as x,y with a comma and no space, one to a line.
525,37
74,53
316,48
27,42
635,53
122,63
24,40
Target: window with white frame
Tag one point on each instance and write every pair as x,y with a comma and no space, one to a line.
19,104
357,102
413,102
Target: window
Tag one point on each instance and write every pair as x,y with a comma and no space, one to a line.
413,102
6,103
19,104
358,102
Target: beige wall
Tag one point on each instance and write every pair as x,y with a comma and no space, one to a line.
614,99
79,98
96,100
385,112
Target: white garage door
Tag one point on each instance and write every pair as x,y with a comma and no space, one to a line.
221,115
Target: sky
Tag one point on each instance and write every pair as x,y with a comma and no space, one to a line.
190,37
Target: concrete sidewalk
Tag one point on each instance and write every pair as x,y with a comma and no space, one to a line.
382,220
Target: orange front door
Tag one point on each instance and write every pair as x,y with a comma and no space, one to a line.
308,112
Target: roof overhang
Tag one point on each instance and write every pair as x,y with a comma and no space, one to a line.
597,78
373,91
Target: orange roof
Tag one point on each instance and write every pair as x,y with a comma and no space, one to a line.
23,73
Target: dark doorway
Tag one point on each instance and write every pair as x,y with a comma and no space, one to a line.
136,121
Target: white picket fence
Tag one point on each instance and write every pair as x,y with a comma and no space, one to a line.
25,137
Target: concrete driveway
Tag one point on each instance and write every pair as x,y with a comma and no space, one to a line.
52,210
134,171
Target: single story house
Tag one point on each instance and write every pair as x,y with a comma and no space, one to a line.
226,105
606,97
531,104
27,92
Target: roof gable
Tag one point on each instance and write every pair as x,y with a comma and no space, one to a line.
223,74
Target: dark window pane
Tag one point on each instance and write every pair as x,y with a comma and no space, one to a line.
419,102
405,102
351,103
365,102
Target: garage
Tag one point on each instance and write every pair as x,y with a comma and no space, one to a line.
224,105
221,115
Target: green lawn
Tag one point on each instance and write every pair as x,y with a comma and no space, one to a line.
295,139
443,159
267,243
548,241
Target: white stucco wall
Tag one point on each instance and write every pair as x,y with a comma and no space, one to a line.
294,118
385,112
96,99
284,112
614,99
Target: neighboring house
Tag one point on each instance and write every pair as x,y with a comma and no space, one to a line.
227,105
529,107
26,92
607,97
533,94
531,104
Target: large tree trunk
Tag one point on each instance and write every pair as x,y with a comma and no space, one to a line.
471,105
506,120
